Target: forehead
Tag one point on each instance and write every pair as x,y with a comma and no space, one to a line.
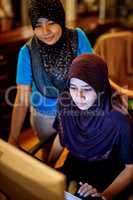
43,20
78,82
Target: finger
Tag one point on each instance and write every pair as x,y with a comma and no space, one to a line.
94,192
80,183
85,188
84,191
90,192
81,188
87,194
93,195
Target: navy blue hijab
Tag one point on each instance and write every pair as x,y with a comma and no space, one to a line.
90,134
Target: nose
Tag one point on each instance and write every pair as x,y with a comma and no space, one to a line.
81,94
45,28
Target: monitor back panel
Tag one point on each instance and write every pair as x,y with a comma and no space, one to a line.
23,177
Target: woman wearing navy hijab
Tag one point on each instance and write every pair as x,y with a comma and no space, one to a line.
98,138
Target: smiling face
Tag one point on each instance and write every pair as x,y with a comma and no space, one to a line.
48,31
82,94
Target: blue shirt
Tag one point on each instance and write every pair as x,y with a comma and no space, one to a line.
41,103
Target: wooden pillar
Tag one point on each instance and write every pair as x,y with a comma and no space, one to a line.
102,9
70,7
24,13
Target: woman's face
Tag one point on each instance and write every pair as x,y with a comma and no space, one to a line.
82,94
48,31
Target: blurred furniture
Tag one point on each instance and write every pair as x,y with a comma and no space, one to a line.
105,27
10,43
117,50
6,15
29,143
94,27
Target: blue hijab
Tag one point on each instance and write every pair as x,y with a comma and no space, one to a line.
91,134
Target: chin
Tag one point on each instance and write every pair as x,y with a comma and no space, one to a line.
83,108
50,42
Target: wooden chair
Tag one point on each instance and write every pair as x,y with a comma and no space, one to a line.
117,50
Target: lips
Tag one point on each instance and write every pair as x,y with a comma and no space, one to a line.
48,38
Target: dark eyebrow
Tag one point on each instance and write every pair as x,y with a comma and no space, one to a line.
86,86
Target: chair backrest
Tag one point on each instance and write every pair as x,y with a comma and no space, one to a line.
117,50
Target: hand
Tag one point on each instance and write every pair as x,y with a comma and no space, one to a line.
88,190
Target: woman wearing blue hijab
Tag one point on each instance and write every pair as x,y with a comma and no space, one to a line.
97,136
43,65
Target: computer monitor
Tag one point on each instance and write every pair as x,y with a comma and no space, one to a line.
22,177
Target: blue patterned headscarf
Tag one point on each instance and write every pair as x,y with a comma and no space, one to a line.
49,9
54,59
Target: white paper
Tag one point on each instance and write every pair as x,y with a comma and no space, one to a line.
69,196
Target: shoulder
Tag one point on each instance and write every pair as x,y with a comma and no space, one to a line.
28,45
24,61
121,121
124,138
24,50
80,32
84,45
124,141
